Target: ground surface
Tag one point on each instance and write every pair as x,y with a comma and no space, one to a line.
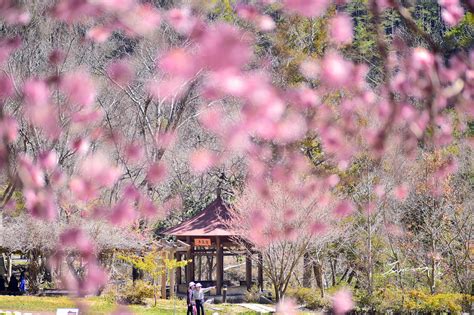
48,305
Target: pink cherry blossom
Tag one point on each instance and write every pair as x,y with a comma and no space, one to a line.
98,169
182,20
122,213
178,62
8,129
71,11
308,8
401,192
30,174
99,34
77,239
134,151
40,204
452,12
121,71
95,278
201,160
340,29
36,93
56,56
142,19
310,69
287,307
169,88
79,87
335,71
147,208
48,159
156,173
223,47
342,301
80,145
344,208
318,228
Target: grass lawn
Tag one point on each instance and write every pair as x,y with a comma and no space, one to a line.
97,305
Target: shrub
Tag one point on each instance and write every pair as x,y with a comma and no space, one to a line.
252,296
420,301
309,297
137,293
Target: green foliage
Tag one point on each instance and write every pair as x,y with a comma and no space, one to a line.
394,299
309,297
137,293
462,35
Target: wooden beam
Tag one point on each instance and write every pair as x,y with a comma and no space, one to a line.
248,271
219,266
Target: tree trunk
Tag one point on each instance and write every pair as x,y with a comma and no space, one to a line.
306,271
318,275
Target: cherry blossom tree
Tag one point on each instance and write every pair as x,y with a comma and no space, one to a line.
94,92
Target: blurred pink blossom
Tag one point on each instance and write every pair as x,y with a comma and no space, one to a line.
342,302
308,8
340,29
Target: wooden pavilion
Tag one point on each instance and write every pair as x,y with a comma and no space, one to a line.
207,234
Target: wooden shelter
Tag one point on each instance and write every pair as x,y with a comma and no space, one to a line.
208,234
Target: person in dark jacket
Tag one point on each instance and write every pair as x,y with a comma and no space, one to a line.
13,284
2,284
189,298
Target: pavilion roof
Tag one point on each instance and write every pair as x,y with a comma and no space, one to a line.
209,222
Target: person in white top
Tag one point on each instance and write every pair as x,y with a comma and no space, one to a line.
199,297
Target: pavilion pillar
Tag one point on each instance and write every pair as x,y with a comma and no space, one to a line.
172,274
189,256
163,278
260,271
219,266
178,270
248,270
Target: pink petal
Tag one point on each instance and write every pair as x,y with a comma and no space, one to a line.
178,62
342,301
48,159
223,47
308,8
344,208
340,28
77,239
79,87
156,173
31,175
122,214
401,192
201,160
8,129
40,204
287,307
121,71
99,34
318,228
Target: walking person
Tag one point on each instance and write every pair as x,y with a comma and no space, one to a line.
189,298
199,298
22,282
